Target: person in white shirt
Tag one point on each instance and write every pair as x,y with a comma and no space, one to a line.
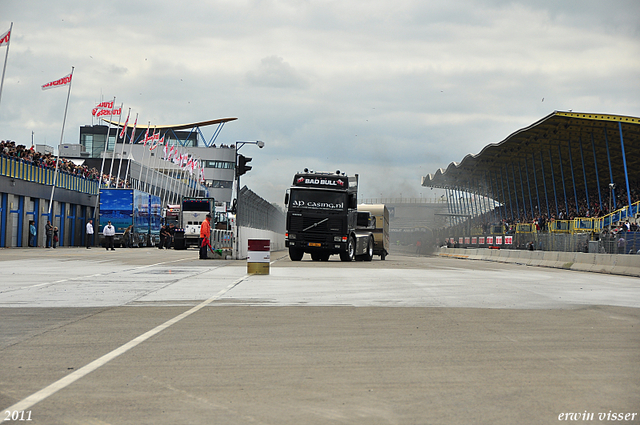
89,235
109,232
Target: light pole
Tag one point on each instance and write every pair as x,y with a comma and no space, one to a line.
238,171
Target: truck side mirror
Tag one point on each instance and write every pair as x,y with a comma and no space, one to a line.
286,198
353,202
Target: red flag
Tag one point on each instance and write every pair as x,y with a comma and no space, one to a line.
124,127
4,38
58,83
133,133
159,141
146,135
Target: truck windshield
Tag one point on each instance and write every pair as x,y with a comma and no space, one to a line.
318,200
195,205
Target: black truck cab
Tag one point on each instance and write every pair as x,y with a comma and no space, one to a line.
322,217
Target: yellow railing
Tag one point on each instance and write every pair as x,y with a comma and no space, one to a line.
525,228
17,169
560,226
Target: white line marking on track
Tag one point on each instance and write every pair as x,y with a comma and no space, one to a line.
37,397
37,285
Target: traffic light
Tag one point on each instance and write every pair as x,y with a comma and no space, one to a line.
242,166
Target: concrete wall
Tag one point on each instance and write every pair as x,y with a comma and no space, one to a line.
628,265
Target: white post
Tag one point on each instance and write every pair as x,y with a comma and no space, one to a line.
55,173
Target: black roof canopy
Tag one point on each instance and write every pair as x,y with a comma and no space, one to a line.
551,151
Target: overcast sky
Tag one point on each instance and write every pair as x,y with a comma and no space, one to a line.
391,90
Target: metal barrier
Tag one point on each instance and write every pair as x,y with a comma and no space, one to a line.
525,228
583,225
559,226
222,239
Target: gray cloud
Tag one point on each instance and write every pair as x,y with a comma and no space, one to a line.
389,90
274,72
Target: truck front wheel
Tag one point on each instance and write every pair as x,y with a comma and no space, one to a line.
295,254
350,253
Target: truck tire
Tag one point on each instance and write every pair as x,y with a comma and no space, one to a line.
295,254
350,253
368,256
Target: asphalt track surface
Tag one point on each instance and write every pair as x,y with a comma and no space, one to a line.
147,336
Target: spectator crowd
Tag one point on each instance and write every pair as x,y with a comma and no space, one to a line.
9,149
540,219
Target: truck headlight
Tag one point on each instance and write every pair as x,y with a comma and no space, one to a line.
339,238
292,236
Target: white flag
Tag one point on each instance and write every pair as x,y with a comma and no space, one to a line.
58,83
4,38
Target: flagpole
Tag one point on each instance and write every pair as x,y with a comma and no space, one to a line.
146,136
172,174
162,164
156,166
124,142
104,155
131,140
147,185
156,172
176,174
115,145
106,142
4,68
55,173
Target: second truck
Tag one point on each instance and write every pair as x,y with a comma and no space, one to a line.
323,218
193,211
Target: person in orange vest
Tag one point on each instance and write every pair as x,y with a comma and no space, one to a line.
205,234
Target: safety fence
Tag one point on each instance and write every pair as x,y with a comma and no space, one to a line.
257,213
621,243
533,241
18,169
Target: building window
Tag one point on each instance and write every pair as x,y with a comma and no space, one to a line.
219,184
226,165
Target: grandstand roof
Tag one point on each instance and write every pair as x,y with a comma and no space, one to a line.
176,126
568,138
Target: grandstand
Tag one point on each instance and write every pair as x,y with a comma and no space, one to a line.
570,174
